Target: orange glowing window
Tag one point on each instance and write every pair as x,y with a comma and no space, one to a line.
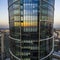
25,24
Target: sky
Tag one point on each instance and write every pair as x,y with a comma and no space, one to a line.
3,14
57,14
4,20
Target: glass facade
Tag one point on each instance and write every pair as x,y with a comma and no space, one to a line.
31,29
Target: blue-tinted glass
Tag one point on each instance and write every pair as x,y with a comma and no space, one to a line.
30,7
30,12
30,1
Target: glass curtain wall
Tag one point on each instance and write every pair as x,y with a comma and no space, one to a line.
31,29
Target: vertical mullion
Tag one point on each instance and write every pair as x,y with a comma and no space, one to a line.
20,33
39,16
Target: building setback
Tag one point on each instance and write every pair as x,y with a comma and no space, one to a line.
31,29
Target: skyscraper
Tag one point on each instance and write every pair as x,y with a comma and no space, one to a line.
31,29
2,47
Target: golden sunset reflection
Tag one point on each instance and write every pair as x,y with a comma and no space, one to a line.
25,24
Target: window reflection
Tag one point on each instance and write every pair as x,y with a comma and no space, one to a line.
46,29
30,15
25,24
